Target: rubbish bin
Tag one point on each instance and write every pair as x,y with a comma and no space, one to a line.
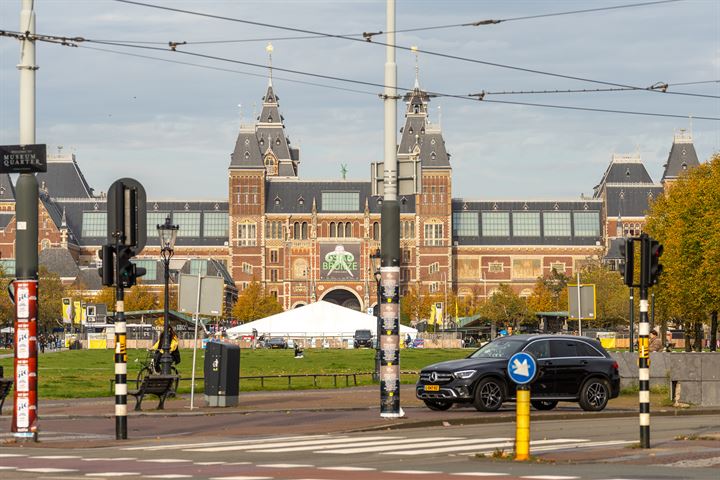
222,374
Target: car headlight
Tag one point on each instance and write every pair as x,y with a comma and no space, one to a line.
464,374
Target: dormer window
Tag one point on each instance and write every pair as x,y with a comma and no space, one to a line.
247,154
270,119
277,141
277,200
262,140
301,201
684,166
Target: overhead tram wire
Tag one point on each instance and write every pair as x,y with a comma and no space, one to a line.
436,94
367,36
220,69
359,82
400,47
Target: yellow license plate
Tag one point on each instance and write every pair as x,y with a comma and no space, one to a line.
432,388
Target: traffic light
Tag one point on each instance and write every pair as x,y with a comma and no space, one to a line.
627,264
107,271
656,251
128,272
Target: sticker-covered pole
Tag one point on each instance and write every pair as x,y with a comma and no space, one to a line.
390,243
24,423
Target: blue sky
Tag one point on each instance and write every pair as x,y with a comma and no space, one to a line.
173,126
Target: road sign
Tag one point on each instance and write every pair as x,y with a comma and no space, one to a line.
522,368
587,301
208,299
23,158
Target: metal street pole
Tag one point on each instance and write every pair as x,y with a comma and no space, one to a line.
632,319
390,244
24,422
579,306
165,358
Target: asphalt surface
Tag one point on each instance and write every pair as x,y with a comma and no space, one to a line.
89,423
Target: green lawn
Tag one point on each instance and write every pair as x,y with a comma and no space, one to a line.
87,373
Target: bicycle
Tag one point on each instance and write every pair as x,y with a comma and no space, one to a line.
149,367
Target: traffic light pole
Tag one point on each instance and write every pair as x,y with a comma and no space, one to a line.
632,319
120,352
644,369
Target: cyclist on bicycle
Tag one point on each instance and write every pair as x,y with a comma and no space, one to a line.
158,351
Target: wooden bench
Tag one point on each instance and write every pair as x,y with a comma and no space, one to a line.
158,385
5,387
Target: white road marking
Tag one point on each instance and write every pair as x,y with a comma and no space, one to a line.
285,465
479,446
257,445
480,474
217,444
9,455
109,459
372,446
7,468
348,469
571,446
411,444
46,470
169,475
412,472
113,474
208,463
165,460
57,457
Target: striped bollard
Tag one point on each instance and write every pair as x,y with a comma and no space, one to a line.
644,370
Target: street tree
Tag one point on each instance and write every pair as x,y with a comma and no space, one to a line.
506,307
685,221
51,293
611,295
550,293
253,304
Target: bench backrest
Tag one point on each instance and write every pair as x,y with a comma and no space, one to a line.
157,383
5,385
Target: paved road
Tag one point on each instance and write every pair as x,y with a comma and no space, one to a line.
338,434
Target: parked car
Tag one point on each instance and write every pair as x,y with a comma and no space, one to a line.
363,338
276,342
572,369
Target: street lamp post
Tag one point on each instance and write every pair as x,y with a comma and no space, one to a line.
375,258
167,233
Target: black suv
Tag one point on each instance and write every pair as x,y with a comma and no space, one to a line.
573,369
363,338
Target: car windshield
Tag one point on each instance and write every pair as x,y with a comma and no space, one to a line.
503,347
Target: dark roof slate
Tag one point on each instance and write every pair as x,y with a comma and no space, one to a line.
89,279
630,200
247,151
682,157
462,205
6,218
63,178
74,216
7,189
626,170
419,135
297,196
59,261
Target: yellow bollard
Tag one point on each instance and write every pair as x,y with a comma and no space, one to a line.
522,422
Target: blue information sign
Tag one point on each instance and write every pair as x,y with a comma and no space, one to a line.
522,368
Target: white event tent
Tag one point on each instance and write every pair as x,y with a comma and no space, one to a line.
319,319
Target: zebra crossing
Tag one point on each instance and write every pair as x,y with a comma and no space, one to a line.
377,444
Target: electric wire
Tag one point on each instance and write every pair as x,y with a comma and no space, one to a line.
414,50
220,69
431,93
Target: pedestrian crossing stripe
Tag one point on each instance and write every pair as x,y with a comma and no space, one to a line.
382,445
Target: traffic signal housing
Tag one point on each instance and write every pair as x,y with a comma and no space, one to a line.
655,267
107,270
128,272
627,264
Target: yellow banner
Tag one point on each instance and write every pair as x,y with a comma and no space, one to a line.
67,310
79,312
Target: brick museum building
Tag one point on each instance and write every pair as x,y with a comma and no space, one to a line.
284,231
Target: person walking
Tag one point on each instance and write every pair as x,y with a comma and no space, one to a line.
656,344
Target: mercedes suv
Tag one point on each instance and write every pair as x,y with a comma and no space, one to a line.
571,369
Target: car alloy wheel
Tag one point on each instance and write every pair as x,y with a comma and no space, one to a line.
594,395
488,395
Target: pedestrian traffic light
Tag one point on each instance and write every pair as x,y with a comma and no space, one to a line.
107,270
656,251
627,262
128,272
